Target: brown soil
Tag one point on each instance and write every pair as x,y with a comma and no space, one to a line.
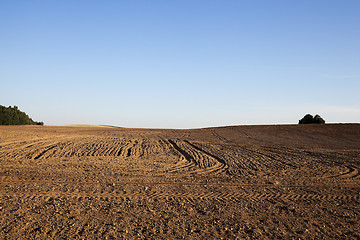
245,182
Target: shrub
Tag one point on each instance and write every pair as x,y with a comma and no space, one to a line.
309,119
318,119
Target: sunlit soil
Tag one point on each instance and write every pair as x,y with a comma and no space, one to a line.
251,182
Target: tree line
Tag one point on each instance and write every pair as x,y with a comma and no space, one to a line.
13,116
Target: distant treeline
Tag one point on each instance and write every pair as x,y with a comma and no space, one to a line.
13,116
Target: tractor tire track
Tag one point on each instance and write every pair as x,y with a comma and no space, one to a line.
186,196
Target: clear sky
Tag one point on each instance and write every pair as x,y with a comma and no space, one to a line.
180,64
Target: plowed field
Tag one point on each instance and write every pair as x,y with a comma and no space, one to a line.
243,182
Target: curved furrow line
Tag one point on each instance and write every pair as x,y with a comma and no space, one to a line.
20,146
253,160
206,153
140,148
184,155
126,151
274,160
267,162
151,147
244,161
122,148
48,148
99,148
200,160
90,151
204,163
186,134
108,147
236,165
92,147
78,149
14,144
256,160
260,161
119,145
180,166
28,151
250,163
114,147
65,149
155,148
62,150
55,151
102,148
165,144
197,158
28,143
218,136
287,155
352,172
89,147
129,151
216,168
85,148
95,148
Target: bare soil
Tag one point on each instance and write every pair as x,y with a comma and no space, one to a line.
241,182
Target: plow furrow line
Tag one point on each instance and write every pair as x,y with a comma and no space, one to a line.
45,151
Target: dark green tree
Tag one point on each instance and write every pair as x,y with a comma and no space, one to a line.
13,116
309,119
318,119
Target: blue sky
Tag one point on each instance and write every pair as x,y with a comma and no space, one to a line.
181,64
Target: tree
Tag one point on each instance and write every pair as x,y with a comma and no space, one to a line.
318,119
309,119
13,116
